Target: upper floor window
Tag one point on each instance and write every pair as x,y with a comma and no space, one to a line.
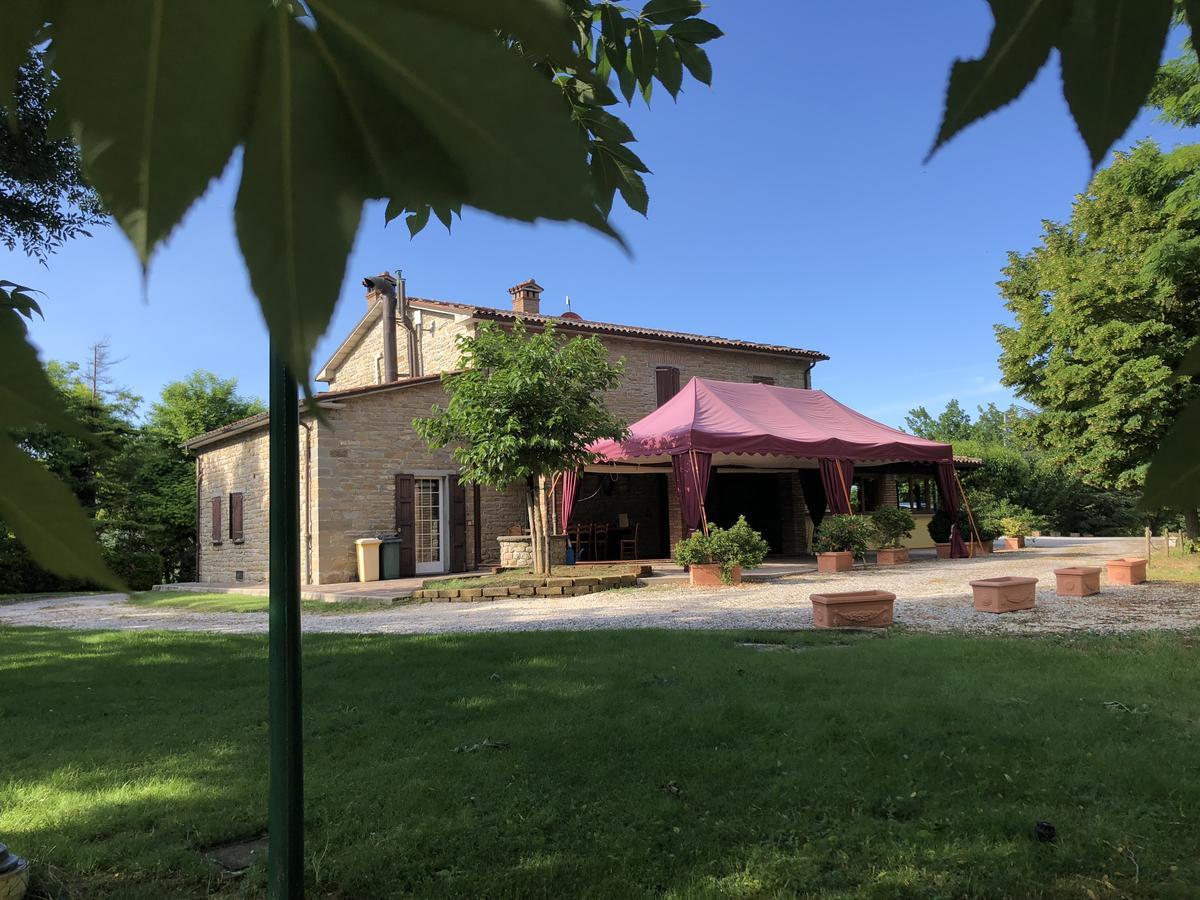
666,383
762,379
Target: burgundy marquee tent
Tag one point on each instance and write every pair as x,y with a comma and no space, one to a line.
720,423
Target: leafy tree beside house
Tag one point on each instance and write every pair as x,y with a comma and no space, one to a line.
134,480
1106,307
525,406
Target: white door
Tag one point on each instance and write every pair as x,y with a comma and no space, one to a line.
430,512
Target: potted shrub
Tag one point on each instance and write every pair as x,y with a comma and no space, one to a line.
1017,523
939,530
891,526
840,540
720,556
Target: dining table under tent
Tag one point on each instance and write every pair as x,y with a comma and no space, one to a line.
736,427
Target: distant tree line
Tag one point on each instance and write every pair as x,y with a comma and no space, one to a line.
1018,475
129,472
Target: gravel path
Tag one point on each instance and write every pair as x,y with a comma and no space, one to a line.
931,596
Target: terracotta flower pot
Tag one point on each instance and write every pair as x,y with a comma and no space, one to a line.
1006,594
709,575
979,548
832,563
853,609
943,551
1129,570
1077,581
1014,543
891,556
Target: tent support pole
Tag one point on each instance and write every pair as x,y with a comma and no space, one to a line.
970,518
700,497
837,464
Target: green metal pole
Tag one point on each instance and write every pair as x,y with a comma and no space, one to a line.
285,819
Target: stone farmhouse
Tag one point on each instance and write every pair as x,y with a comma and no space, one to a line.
365,472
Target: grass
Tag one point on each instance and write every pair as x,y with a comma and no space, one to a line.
45,595
1174,568
243,603
512,576
629,764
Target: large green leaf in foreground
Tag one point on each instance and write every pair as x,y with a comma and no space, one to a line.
157,99
38,507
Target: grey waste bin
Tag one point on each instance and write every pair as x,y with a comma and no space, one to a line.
389,556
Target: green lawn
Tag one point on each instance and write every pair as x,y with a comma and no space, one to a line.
630,764
241,603
512,576
1174,568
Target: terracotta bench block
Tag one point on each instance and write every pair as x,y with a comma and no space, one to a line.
1006,594
1077,581
853,609
1128,570
891,557
832,563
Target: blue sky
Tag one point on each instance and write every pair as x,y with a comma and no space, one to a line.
789,204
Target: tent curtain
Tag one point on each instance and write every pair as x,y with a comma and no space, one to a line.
836,477
691,471
949,494
814,495
570,484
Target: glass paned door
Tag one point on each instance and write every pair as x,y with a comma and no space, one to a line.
430,527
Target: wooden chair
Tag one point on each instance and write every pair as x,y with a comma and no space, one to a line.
629,546
600,541
580,537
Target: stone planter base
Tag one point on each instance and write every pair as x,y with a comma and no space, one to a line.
1077,581
710,576
832,563
853,609
516,550
891,556
943,551
1006,594
1126,571
1014,543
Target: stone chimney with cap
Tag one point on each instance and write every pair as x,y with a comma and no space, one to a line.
527,298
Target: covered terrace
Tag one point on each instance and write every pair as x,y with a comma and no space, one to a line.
781,456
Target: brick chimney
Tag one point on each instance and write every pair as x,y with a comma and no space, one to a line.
527,298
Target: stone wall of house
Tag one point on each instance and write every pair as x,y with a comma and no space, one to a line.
240,465
437,335
638,393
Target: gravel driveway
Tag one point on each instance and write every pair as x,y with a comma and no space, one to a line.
931,596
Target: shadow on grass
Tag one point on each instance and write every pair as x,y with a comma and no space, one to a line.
617,764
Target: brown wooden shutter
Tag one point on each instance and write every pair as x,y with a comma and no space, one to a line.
216,520
406,524
762,379
235,517
458,524
666,382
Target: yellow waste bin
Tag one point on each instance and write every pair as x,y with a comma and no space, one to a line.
367,551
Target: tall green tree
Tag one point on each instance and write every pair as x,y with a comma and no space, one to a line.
44,199
525,406
1106,309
